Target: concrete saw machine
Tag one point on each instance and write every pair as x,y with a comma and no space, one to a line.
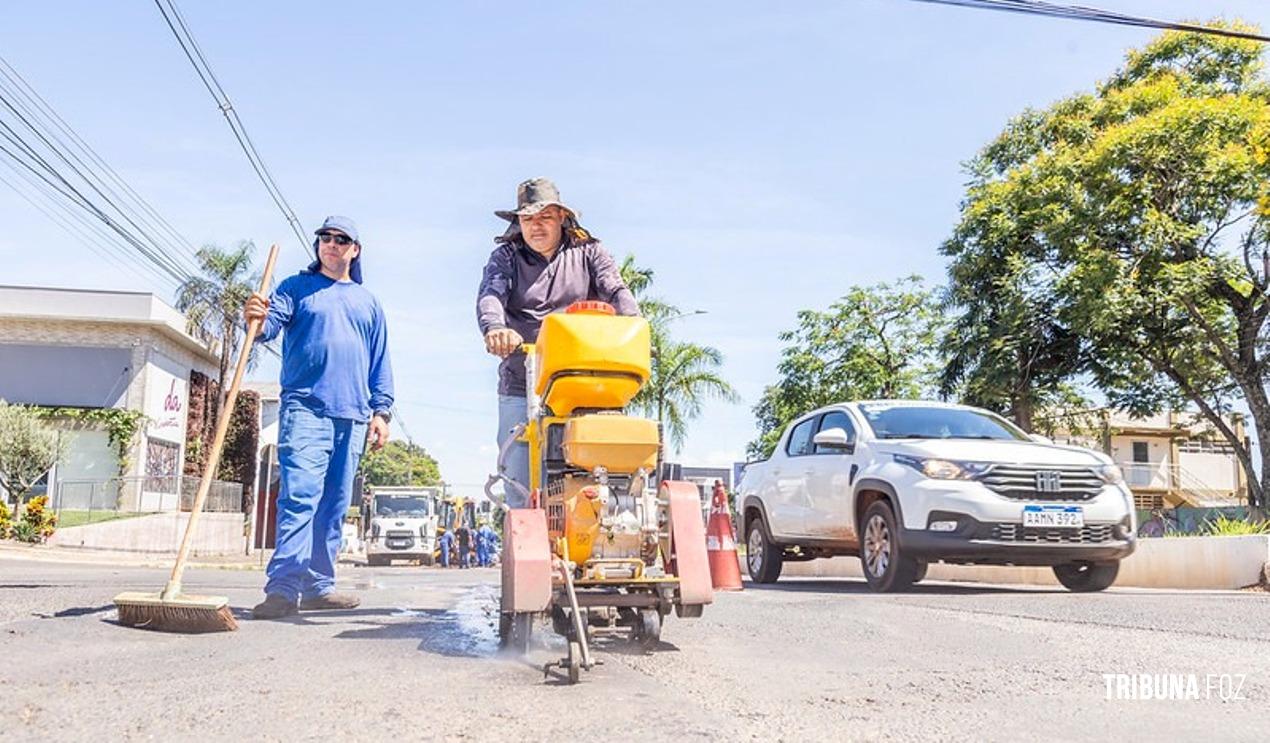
598,550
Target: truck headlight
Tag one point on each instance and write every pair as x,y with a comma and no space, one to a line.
1109,473
942,469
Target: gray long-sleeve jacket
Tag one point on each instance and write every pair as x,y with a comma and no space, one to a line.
520,288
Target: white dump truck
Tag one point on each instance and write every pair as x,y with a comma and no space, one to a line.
403,524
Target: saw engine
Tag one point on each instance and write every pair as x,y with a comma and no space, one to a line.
605,525
598,508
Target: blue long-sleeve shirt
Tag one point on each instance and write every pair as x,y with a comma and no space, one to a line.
335,349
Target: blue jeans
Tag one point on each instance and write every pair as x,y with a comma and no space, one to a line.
447,544
512,411
317,458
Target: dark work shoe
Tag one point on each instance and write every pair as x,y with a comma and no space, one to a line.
273,607
330,601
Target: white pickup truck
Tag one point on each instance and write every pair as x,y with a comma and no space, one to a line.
902,484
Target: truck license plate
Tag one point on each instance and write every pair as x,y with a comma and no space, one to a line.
1063,517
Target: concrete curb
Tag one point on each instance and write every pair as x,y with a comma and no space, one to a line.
86,556
158,534
121,558
1220,563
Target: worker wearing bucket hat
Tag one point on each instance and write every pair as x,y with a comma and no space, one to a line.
544,262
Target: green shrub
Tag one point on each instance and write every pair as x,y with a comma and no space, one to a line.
37,522
1228,527
6,520
24,532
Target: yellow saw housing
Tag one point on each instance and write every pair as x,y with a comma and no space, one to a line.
589,365
595,361
598,549
618,443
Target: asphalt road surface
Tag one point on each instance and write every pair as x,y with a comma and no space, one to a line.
799,660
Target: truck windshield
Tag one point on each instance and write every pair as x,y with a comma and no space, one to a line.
918,422
402,505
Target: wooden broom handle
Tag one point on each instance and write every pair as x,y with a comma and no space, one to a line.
222,427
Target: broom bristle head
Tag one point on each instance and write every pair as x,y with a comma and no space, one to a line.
193,614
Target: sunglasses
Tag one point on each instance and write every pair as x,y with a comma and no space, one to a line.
340,240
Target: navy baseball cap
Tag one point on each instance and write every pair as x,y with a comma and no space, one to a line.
348,227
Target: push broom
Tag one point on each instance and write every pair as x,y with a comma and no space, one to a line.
170,610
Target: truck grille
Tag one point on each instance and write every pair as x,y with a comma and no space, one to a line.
1094,534
399,540
1021,482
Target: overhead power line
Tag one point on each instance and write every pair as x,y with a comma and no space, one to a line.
42,144
28,157
61,176
1086,13
28,98
172,16
77,226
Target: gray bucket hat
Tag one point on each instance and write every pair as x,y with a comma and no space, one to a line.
533,196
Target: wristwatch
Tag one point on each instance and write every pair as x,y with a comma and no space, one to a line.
385,414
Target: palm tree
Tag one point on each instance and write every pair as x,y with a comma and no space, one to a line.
213,302
684,374
637,279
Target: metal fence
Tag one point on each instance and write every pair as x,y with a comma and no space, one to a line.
1175,478
145,495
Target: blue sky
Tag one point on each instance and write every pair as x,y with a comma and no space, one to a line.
761,157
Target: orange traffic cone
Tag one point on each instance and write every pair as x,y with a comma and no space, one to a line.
725,567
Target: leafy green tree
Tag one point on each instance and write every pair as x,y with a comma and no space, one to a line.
876,342
684,375
400,463
1144,209
28,450
1006,347
213,303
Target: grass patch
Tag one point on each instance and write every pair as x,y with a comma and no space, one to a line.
80,518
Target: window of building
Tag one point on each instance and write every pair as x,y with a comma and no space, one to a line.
162,458
1206,446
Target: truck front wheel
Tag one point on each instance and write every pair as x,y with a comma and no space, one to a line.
762,558
885,567
1087,577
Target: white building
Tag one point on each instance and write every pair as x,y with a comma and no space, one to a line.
104,349
1170,459
703,477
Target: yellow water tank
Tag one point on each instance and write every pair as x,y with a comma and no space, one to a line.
590,358
618,443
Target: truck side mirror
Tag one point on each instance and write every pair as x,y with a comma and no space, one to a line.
834,438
